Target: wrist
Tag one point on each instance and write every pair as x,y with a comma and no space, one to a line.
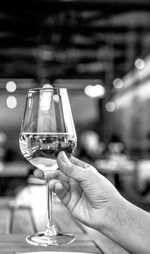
115,208
128,226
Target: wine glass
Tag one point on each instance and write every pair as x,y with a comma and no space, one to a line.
47,128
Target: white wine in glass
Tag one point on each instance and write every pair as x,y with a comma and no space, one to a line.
47,128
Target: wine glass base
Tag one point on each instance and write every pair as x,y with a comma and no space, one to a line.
40,239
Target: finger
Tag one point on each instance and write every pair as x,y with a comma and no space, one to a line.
62,193
39,174
53,182
78,162
67,167
54,174
57,174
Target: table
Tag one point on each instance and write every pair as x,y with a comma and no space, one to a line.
27,214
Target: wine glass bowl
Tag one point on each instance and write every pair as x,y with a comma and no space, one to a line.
47,128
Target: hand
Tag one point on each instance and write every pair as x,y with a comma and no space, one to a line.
93,200
87,194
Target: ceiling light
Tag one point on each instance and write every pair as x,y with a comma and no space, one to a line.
11,102
118,83
110,106
95,91
11,86
139,63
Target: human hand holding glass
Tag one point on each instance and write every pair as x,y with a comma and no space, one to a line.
87,194
47,128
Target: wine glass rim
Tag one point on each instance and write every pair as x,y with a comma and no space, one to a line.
37,89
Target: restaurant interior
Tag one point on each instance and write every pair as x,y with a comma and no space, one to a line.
100,51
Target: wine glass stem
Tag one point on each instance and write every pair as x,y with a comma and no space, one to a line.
50,231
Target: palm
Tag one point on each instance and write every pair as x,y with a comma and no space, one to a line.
88,197
87,205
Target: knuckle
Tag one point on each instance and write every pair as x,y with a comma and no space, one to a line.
90,170
71,168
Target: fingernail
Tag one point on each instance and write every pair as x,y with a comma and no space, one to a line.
64,157
38,174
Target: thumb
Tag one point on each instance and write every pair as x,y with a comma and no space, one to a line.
71,170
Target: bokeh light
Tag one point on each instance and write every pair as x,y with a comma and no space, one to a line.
95,91
139,63
11,102
11,86
110,106
118,83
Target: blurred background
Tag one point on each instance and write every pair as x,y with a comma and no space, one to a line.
100,51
